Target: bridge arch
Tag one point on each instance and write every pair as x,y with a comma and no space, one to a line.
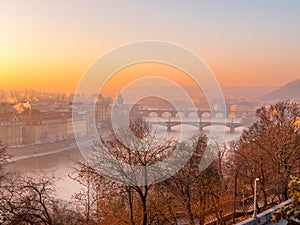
193,125
200,125
180,114
193,115
219,114
153,114
166,114
206,114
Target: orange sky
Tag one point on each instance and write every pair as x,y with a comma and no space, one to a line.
49,45
52,70
133,72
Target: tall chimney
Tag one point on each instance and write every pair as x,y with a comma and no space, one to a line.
29,113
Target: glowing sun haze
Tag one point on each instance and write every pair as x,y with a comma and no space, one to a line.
128,74
48,45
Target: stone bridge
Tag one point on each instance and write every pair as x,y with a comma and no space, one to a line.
187,113
199,124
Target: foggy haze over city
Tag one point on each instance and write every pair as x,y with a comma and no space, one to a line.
149,112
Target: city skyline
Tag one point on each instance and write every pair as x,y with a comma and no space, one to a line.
49,46
149,112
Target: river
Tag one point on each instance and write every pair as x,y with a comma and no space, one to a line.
61,164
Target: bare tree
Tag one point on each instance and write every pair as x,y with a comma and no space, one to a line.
196,193
25,199
119,168
142,153
3,159
87,197
184,185
271,146
31,200
234,165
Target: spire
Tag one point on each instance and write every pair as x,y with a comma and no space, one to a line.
120,99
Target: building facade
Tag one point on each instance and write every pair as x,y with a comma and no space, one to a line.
11,129
102,112
52,127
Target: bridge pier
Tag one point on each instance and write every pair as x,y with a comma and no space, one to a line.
173,113
232,129
169,128
200,128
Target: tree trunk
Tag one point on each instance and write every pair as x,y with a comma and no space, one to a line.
234,199
145,215
189,212
130,199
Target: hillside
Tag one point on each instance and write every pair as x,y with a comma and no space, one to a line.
289,91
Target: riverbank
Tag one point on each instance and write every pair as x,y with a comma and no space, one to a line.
59,165
39,148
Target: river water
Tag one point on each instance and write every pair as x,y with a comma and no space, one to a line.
61,164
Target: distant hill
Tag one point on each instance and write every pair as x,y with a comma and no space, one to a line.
289,91
155,102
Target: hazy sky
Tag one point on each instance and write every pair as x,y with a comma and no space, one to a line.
47,45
